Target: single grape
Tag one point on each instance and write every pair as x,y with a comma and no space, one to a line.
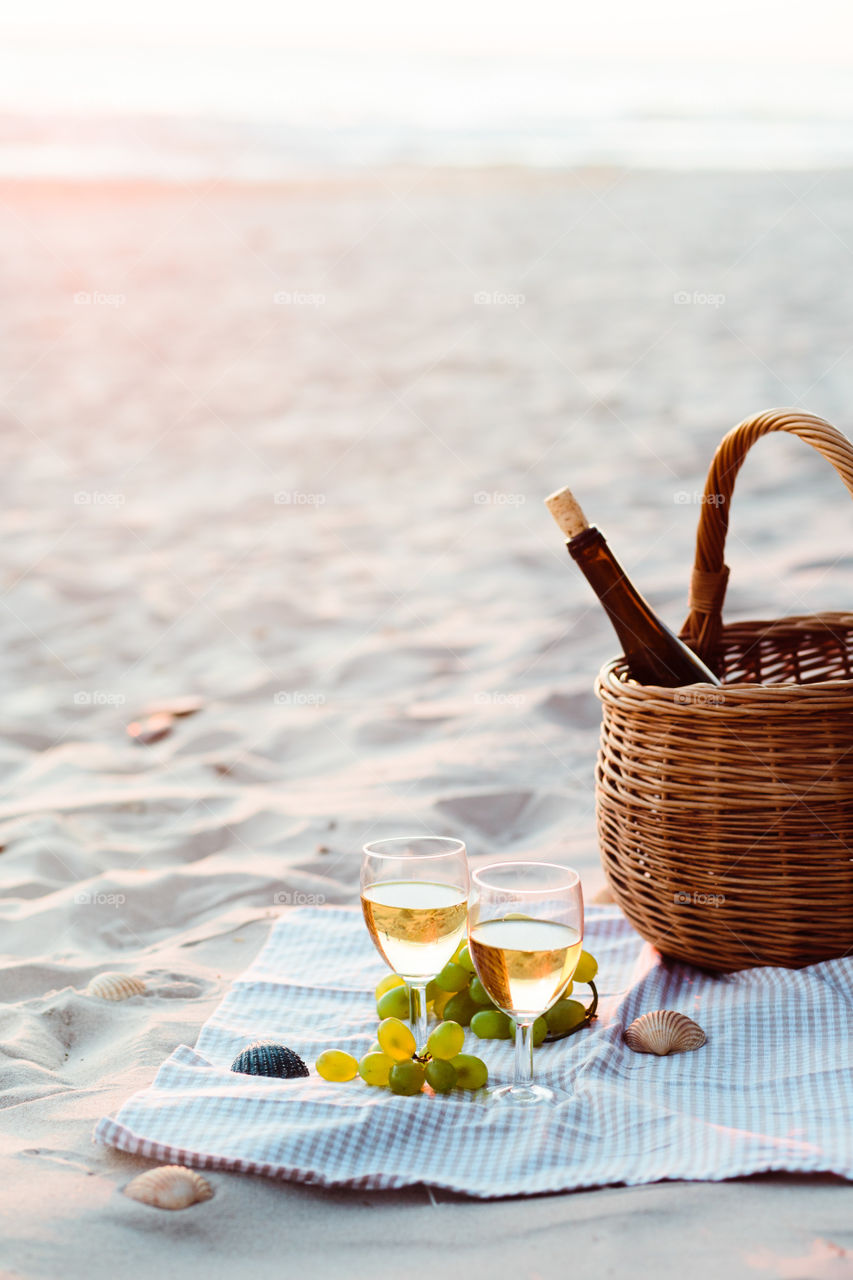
334,1064
491,1024
388,983
394,1003
406,1078
396,1039
440,1002
564,1015
460,1008
539,1032
463,958
471,1072
479,994
431,990
374,1069
446,1041
452,977
587,968
440,1075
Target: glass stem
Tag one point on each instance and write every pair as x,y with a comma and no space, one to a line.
523,1055
418,1013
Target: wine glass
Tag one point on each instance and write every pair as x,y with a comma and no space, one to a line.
414,895
525,934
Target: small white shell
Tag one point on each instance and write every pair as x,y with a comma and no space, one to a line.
664,1031
152,728
115,986
170,1187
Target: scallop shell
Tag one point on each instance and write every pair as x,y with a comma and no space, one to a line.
115,986
662,1032
170,1187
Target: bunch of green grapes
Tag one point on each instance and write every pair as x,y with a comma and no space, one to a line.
458,994
457,999
394,1062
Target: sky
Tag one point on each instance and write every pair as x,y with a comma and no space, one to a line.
817,33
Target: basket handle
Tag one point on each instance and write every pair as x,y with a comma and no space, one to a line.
710,576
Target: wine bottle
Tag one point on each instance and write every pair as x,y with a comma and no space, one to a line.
653,654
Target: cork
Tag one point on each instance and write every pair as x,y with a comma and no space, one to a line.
565,509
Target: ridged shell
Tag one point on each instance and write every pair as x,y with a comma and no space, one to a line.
664,1031
115,986
170,1187
265,1059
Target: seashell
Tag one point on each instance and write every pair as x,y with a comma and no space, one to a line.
169,1187
265,1059
115,986
186,706
151,729
662,1032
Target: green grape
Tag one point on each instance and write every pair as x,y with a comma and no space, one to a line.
374,1069
431,990
452,977
394,1003
406,1078
396,1039
388,983
446,1040
376,1047
458,952
463,958
439,1004
491,1024
460,1008
587,968
539,1032
479,994
564,1015
471,1072
440,1075
334,1064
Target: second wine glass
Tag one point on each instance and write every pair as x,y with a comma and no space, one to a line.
414,896
525,932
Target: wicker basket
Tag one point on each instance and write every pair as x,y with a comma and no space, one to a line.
725,816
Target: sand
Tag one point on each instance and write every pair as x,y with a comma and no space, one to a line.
322,516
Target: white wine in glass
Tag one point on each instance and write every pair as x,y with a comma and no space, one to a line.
525,933
414,896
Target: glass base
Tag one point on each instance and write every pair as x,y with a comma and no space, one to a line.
526,1095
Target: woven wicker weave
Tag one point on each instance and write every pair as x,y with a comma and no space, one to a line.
725,816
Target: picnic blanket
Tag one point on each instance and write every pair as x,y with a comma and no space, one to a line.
772,1089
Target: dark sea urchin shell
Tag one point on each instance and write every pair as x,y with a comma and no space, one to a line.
263,1059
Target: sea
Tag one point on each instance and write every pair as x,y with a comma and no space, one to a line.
253,114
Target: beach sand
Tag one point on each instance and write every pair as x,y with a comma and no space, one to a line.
284,449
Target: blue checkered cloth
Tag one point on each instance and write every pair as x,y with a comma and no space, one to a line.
771,1090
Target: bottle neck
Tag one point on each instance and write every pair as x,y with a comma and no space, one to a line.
605,574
